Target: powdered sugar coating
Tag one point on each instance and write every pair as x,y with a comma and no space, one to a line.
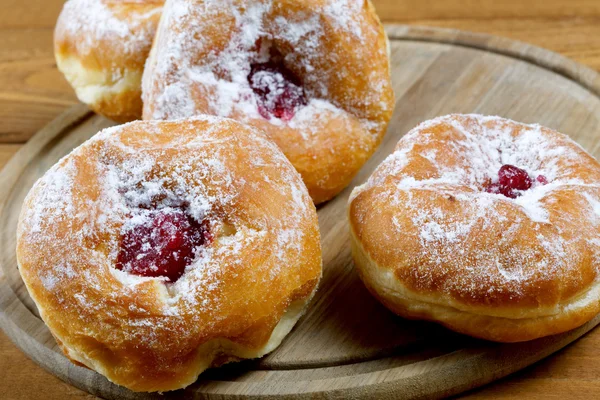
446,234
101,47
204,51
225,67
96,23
265,251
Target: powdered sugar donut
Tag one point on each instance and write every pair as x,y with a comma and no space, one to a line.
485,225
101,47
158,249
312,74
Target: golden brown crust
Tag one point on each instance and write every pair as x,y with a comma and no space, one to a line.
338,49
101,46
432,244
238,299
499,329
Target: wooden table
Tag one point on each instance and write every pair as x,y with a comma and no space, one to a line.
33,92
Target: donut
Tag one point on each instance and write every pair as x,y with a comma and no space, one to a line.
487,226
314,75
158,249
101,47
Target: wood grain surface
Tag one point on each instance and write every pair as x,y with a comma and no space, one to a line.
32,93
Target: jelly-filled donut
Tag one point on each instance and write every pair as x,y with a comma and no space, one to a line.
314,75
101,47
485,225
158,249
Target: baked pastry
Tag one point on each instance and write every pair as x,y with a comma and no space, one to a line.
485,225
158,249
313,74
101,47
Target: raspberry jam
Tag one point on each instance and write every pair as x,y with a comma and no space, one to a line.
163,245
279,92
542,179
511,180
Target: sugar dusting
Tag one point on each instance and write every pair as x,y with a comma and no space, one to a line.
187,64
128,176
451,215
96,23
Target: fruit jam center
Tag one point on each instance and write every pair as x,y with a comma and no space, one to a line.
512,180
279,92
164,245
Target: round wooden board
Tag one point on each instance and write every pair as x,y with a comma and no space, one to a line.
347,346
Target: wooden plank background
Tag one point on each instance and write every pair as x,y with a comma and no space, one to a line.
32,93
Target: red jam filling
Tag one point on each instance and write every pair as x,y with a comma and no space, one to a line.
542,179
512,180
279,92
164,245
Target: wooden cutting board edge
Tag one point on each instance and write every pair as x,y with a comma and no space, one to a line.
584,76
24,328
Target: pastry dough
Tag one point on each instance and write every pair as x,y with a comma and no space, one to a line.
435,238
101,47
241,292
314,75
